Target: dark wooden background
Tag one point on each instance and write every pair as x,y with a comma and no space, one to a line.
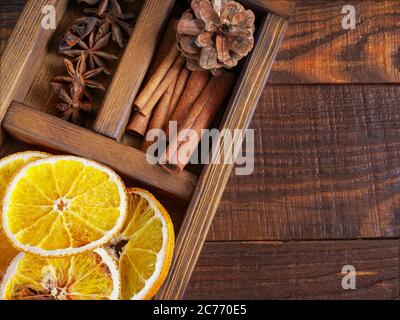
326,187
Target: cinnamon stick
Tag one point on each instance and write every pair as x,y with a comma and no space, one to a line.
195,86
167,42
156,79
139,123
179,89
171,75
201,115
160,116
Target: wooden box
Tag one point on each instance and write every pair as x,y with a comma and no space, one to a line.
28,118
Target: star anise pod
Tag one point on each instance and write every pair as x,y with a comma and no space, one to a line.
72,97
112,19
86,75
71,105
81,28
94,51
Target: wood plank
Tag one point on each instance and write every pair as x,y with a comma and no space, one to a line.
209,190
327,167
297,270
284,8
318,50
9,13
22,56
114,114
37,128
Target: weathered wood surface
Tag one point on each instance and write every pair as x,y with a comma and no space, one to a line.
318,50
9,13
284,8
327,167
296,270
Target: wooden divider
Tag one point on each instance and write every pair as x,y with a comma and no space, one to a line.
37,128
114,114
21,59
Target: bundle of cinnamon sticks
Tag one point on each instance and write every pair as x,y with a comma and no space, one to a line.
173,93
153,103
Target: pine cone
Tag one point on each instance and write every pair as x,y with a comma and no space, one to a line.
215,34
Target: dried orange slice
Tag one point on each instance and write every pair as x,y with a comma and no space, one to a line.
63,205
10,166
144,248
87,276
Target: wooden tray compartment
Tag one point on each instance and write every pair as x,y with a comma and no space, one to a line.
28,64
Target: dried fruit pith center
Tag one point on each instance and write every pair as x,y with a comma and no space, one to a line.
61,205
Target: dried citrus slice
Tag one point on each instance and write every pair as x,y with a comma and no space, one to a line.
63,205
9,166
144,248
88,276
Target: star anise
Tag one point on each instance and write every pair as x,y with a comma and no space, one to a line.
86,75
112,19
72,97
94,52
81,28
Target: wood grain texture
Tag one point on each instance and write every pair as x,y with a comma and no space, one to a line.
37,128
318,50
114,114
9,13
21,59
299,270
206,197
284,8
327,167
